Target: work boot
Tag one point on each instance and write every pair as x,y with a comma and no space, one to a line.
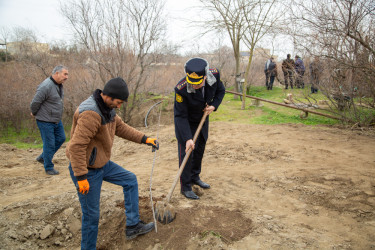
139,229
52,172
190,195
202,184
40,159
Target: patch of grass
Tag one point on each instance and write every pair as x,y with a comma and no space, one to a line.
204,234
274,116
26,138
22,139
230,109
361,115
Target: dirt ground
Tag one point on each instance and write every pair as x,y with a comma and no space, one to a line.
272,187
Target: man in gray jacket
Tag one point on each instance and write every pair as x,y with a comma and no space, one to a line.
47,108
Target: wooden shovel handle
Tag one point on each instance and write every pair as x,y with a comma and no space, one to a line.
187,156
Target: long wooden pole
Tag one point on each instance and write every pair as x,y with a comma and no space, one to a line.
288,106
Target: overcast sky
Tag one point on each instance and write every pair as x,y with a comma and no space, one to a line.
41,16
45,18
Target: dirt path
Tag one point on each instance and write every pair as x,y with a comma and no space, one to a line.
273,187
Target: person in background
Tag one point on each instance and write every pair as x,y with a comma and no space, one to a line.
95,125
200,90
47,108
316,70
288,68
272,71
300,71
266,71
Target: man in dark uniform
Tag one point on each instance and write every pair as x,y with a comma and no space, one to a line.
199,91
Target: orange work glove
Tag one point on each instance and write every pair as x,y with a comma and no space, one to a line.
83,186
152,142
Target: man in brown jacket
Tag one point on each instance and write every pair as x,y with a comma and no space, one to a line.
95,125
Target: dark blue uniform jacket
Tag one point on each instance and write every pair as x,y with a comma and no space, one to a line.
188,107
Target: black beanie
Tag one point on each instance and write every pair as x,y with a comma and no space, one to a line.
116,88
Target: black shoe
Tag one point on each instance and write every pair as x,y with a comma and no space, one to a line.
40,159
52,172
139,229
202,184
190,195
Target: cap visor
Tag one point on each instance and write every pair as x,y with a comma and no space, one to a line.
194,81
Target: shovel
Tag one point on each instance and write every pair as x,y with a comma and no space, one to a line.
164,211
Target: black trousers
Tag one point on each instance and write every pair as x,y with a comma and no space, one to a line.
193,165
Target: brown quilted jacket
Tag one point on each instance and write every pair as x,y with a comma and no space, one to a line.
91,141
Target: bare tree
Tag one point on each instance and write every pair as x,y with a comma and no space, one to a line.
342,33
31,62
228,15
5,34
26,49
222,59
120,38
261,18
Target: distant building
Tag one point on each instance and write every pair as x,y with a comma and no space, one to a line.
259,54
2,45
27,47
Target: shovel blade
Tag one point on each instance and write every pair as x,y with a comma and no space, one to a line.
164,212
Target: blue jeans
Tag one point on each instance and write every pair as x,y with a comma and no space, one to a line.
53,136
270,84
90,203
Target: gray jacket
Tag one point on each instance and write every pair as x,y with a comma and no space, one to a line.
47,104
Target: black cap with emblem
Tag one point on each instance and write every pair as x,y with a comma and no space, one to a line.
195,70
